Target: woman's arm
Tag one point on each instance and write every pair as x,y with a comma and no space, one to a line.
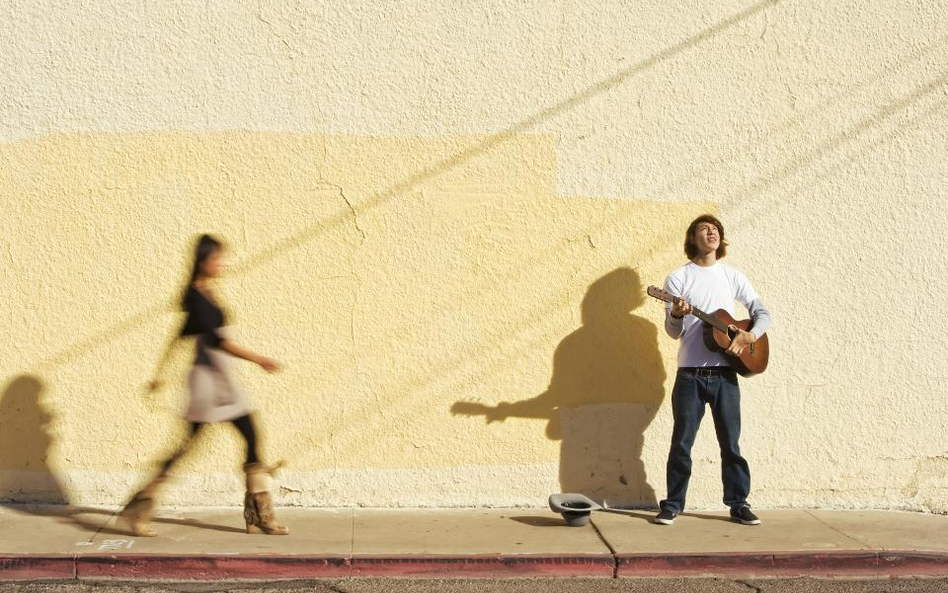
233,349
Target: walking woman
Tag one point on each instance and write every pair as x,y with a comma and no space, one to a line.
213,398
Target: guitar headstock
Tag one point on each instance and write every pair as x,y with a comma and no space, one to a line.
662,295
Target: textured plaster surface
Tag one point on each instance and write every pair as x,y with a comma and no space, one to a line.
442,219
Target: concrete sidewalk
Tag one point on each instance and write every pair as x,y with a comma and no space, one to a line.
41,543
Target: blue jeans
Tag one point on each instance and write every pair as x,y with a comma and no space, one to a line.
719,390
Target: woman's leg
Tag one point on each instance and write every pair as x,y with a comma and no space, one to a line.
192,432
141,508
247,430
258,504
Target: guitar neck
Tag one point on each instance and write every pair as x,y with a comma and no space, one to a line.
664,295
710,320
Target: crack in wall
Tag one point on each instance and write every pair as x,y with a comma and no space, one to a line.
355,215
274,32
587,238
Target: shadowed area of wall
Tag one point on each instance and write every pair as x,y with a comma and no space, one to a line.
607,385
27,442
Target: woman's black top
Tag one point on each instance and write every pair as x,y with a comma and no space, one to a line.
205,319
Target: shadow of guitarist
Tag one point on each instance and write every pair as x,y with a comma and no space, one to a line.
607,385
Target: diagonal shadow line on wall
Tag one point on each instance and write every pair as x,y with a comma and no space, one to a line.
105,336
743,148
878,74
754,189
827,147
822,150
764,183
768,181
907,126
520,127
413,387
757,189
427,173
888,68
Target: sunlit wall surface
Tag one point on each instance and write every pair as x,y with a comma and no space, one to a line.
442,219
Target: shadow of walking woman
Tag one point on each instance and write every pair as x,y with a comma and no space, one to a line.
26,442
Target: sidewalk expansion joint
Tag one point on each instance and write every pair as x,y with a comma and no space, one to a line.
846,535
615,556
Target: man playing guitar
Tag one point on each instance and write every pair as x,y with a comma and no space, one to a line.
705,376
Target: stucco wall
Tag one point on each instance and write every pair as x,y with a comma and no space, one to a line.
442,220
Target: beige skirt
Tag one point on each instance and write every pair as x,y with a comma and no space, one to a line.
214,396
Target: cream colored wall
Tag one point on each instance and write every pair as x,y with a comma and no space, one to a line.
442,219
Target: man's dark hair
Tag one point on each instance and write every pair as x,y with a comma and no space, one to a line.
690,250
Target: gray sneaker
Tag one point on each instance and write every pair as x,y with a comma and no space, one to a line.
665,517
744,516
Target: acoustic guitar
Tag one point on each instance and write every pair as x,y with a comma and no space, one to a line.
719,330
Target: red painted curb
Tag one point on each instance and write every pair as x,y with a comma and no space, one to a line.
827,564
928,564
149,567
490,566
785,564
209,567
28,567
652,565
215,567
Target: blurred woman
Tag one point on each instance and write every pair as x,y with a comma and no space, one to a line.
214,397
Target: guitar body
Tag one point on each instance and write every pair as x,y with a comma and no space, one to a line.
753,359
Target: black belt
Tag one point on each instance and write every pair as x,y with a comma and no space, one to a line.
707,371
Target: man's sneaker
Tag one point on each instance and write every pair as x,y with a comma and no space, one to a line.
665,517
744,516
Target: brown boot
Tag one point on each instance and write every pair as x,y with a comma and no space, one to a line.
258,505
139,511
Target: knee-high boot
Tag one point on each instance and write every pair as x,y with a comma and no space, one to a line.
139,511
258,504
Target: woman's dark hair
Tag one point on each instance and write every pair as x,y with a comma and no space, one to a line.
206,245
690,250
203,248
